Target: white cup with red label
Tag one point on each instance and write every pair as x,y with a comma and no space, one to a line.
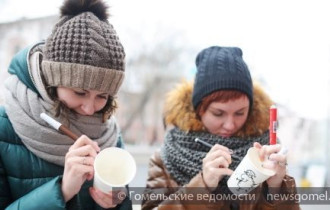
113,168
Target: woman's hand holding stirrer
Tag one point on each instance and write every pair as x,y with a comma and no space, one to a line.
215,164
79,160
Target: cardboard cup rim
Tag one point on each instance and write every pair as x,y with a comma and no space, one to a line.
96,175
266,171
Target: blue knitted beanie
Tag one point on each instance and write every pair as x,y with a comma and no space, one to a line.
221,68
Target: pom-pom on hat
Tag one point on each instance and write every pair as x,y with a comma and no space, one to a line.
221,68
83,50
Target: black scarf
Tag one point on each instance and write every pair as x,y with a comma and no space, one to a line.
183,156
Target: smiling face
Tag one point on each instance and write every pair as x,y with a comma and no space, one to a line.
226,118
84,102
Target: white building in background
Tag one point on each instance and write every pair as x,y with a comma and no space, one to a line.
17,35
307,143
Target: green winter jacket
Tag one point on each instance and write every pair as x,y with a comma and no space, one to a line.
26,181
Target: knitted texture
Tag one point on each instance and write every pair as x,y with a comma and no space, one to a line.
221,68
84,51
183,156
24,107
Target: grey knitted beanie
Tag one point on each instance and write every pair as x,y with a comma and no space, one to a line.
84,50
221,68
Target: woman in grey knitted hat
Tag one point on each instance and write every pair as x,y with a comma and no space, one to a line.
230,114
74,77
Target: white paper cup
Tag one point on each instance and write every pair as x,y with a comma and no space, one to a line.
248,174
113,167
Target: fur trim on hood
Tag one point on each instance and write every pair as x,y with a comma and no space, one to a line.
179,111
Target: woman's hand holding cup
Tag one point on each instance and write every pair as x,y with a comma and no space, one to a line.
107,200
273,160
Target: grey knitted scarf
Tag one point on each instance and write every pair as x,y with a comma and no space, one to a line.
23,107
183,157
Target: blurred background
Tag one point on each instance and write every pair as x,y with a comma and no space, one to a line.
286,44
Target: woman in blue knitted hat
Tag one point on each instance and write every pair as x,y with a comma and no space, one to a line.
74,77
230,113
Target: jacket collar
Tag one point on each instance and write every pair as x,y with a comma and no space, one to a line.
179,111
20,65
